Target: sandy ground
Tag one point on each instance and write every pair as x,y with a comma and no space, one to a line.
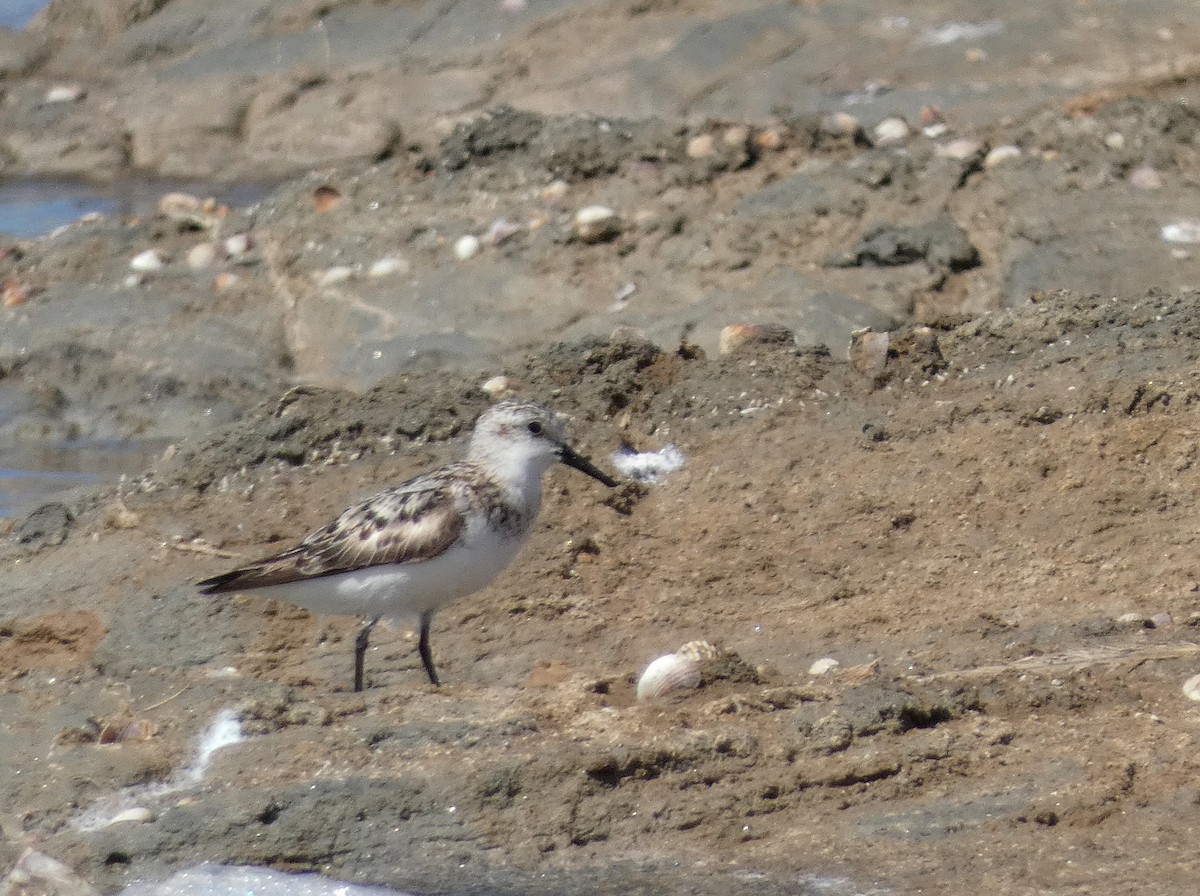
984,516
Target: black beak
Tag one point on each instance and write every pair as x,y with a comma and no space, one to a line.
568,456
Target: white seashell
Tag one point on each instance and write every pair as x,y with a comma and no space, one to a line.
891,131
823,665
596,223
238,244
147,261
1191,688
1001,154
668,673
338,274
386,267
137,813
466,247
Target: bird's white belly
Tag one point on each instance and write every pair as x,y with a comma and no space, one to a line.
405,590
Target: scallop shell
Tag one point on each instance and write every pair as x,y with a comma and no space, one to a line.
676,671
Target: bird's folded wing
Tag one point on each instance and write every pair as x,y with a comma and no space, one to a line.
417,521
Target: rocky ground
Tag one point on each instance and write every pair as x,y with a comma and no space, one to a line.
984,515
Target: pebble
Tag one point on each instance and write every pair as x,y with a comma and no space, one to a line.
466,247
498,387
147,261
339,274
841,124
388,266
201,255
1182,232
735,336
64,93
325,197
225,280
238,244
501,231
823,665
933,123
736,135
554,192
868,352
597,223
13,293
1145,177
961,150
1191,688
1001,154
769,139
1115,140
701,147
891,131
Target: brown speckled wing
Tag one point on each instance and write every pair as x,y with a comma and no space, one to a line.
407,524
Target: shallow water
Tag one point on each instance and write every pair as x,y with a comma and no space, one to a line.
31,208
16,14
31,475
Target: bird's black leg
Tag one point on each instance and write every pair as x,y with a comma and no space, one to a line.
426,653
360,651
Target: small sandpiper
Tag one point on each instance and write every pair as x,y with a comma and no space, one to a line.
411,550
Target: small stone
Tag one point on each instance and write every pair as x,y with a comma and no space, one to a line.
891,131
386,267
13,293
466,247
597,223
961,150
238,244
933,122
735,136
175,205
338,274
1182,232
823,665
841,124
1162,620
325,198
501,231
498,387
701,147
1115,140
225,280
64,93
1191,688
201,256
1145,177
147,261
1000,155
869,351
554,192
736,336
768,139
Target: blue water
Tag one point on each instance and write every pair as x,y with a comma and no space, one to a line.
31,208
17,13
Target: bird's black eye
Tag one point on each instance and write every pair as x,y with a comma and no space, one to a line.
535,427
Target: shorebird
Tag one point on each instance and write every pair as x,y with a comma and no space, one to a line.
412,549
